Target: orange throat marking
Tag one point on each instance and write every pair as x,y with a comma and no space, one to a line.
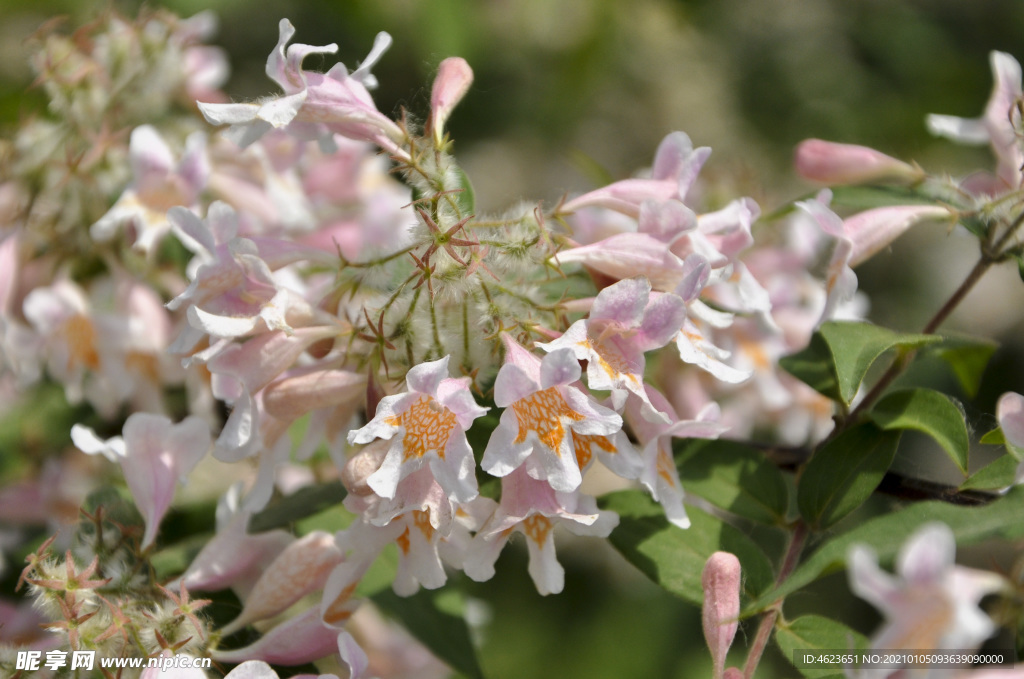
542,413
428,426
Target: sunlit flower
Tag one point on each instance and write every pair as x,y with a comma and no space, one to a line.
543,416
625,322
533,508
427,426
337,100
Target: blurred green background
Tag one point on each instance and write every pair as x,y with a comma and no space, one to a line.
569,93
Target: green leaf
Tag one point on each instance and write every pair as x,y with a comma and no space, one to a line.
817,633
967,357
815,367
994,476
837,363
299,505
466,198
856,346
436,618
994,438
886,534
674,558
869,197
736,478
841,476
929,412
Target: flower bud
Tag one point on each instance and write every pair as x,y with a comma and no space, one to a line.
721,583
360,466
872,230
301,639
301,568
454,76
827,162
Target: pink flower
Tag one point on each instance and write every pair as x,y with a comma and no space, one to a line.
153,454
336,101
454,76
676,165
533,508
996,125
660,476
301,639
625,322
873,230
1010,414
233,287
831,163
543,418
933,604
157,185
234,557
626,255
427,426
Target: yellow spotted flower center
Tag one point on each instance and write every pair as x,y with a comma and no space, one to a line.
542,413
537,527
584,443
428,426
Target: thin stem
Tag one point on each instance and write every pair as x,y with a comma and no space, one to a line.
973,277
764,630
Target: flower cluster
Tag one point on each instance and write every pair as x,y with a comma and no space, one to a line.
311,287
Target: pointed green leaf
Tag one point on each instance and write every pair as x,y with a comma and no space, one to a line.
929,412
994,438
466,198
436,618
301,504
844,473
967,357
817,633
856,346
736,478
886,534
674,558
814,366
836,364
994,476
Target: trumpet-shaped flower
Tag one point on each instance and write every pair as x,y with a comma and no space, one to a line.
996,125
624,322
543,417
933,603
660,476
336,101
676,166
157,186
533,508
427,426
153,454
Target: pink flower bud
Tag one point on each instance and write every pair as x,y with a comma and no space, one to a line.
827,162
721,583
301,639
454,76
300,569
872,230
